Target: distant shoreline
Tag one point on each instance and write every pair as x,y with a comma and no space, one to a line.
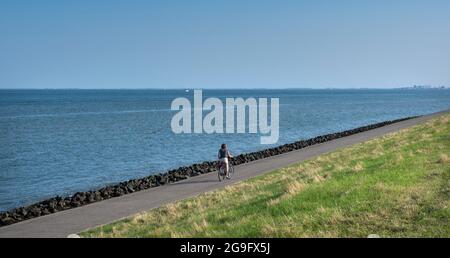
188,88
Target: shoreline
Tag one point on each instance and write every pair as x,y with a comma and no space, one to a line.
56,204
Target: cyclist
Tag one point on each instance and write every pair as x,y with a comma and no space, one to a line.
224,156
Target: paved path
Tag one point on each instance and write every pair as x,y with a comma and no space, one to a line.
63,223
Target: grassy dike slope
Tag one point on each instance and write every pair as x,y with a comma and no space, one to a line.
395,186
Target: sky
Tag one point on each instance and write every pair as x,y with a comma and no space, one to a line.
224,44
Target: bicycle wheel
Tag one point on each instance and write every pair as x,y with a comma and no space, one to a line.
230,171
221,173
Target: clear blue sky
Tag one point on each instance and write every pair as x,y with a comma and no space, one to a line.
221,44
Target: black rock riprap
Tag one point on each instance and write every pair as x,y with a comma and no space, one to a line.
82,198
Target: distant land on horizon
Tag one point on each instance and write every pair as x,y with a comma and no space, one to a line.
249,88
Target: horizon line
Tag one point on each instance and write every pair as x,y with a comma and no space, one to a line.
261,88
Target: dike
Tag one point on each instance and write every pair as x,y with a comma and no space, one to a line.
78,199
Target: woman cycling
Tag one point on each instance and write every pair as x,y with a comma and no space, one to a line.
223,157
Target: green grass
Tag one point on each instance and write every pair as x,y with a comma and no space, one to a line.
394,186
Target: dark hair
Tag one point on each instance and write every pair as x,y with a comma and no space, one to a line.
223,146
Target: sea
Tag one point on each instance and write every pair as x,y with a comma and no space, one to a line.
58,142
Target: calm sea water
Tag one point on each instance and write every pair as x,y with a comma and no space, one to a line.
57,142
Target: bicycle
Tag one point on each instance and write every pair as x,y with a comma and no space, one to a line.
221,171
